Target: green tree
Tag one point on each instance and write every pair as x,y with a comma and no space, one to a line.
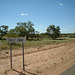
53,31
37,34
12,33
3,30
25,29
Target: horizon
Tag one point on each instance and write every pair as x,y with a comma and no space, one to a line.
42,13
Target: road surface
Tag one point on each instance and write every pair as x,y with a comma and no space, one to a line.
70,71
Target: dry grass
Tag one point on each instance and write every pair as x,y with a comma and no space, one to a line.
4,45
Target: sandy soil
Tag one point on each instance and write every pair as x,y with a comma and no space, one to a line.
42,60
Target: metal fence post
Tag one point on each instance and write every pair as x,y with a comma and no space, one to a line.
23,57
11,55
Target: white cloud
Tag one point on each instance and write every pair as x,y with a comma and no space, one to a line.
60,3
24,14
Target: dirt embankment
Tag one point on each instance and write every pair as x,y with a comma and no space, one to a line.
42,60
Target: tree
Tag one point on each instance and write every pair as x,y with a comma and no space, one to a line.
11,33
3,30
30,29
53,31
25,29
20,29
37,34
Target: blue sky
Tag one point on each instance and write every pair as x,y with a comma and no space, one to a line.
41,12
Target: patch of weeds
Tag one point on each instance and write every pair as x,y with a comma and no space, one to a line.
5,72
6,52
5,47
54,41
64,53
22,73
62,58
38,71
54,65
39,47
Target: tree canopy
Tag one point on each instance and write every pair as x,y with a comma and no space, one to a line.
12,33
25,29
3,30
53,31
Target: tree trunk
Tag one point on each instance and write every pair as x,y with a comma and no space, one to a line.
27,37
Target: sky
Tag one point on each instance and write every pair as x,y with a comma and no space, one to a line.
42,13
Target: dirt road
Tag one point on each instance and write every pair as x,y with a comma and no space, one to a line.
42,60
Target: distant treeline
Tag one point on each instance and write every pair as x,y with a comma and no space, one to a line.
26,29
70,35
